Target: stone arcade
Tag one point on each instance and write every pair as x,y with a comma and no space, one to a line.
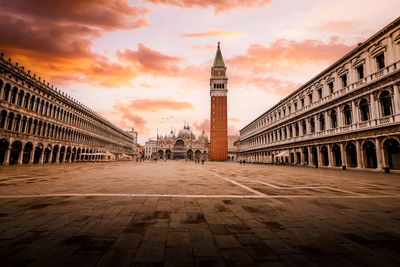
40,124
348,115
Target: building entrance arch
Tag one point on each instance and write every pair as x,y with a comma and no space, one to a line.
351,154
337,156
27,153
4,144
38,153
392,153
325,156
369,151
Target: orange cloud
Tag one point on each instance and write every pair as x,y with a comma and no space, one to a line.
234,119
218,5
104,14
126,119
150,61
283,55
338,25
54,38
216,33
156,104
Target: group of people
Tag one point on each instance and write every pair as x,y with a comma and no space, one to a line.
197,160
243,162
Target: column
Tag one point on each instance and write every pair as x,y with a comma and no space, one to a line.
58,155
303,160
354,112
343,155
317,124
310,158
295,156
374,111
20,156
396,99
319,157
50,155
330,156
339,117
358,151
379,153
32,155
7,156
42,156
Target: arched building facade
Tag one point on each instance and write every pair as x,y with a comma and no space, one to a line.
348,115
40,124
184,145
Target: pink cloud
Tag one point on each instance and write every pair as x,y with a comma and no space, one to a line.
217,5
150,61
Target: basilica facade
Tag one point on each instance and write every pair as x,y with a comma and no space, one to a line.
348,116
41,124
183,145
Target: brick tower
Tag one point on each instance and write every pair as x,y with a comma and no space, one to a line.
218,122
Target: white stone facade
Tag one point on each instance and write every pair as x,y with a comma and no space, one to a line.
40,124
150,149
348,115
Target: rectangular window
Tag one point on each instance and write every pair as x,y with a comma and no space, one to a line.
295,106
360,71
290,109
310,98
344,80
302,102
320,93
330,86
380,61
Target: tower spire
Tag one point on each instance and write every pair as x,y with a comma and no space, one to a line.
218,60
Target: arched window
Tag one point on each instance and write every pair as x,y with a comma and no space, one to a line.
37,104
304,126
312,124
386,103
333,118
20,98
32,103
364,109
26,101
6,92
14,95
347,115
322,122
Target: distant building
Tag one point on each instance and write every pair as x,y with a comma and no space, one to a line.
232,150
150,149
183,146
135,145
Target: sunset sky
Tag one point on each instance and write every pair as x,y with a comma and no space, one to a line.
147,63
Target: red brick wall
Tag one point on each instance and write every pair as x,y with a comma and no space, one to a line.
219,129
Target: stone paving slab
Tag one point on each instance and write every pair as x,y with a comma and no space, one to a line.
186,214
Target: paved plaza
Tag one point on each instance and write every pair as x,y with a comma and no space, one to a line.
179,213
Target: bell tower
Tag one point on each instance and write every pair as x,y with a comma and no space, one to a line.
218,121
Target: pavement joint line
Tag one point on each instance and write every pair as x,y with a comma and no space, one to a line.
311,187
237,183
15,180
193,196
